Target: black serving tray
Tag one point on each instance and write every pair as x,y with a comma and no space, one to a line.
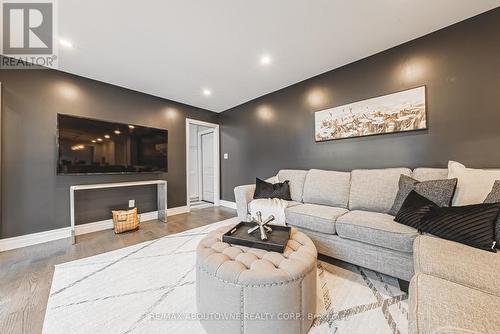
276,241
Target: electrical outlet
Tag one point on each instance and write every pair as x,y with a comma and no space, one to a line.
226,156
131,203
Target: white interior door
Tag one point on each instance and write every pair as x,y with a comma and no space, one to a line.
212,156
207,165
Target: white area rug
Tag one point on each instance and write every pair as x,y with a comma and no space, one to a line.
125,290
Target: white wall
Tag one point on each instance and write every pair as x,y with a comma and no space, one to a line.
193,159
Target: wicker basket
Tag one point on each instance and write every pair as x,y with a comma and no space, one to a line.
125,220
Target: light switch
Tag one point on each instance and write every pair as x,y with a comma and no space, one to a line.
131,203
226,156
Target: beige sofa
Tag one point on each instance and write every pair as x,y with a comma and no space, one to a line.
345,214
456,288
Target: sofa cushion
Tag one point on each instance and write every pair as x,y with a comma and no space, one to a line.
375,189
314,217
440,306
272,179
296,178
457,263
327,188
473,184
377,229
427,174
438,191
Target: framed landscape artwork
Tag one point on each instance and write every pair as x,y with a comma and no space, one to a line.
397,112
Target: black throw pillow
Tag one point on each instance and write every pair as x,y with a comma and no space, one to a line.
472,225
494,197
414,208
265,189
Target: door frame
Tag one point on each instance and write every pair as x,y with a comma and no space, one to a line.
215,128
200,159
1,156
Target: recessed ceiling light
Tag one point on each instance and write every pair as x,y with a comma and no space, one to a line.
66,43
265,60
131,127
106,136
117,132
99,139
93,141
207,92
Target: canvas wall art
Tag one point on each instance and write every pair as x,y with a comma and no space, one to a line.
396,112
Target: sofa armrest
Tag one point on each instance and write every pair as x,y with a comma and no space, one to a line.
458,263
243,196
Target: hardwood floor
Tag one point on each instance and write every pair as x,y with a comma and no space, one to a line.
26,273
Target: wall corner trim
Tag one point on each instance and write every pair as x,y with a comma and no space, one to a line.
65,232
228,204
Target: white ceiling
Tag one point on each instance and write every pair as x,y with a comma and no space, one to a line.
176,48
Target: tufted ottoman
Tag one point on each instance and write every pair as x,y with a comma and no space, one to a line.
248,290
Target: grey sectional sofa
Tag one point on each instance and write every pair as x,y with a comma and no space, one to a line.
345,214
455,289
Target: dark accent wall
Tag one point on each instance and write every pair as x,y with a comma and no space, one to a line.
460,65
36,199
86,210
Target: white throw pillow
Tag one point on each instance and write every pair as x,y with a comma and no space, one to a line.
473,184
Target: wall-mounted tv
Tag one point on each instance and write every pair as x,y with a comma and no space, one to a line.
89,146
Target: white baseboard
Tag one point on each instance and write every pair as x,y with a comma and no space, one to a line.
108,223
177,210
149,216
65,232
228,204
93,227
34,238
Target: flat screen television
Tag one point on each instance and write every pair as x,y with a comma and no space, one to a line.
89,146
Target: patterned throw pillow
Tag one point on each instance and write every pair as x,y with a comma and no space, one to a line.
265,189
494,197
414,208
472,225
438,191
